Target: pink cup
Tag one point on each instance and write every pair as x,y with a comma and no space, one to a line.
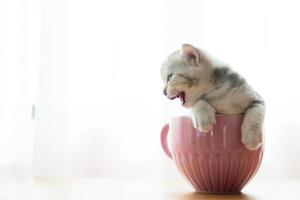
213,162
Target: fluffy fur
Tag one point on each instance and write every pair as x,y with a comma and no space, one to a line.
207,87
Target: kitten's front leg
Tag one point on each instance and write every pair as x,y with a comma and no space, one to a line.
252,134
203,116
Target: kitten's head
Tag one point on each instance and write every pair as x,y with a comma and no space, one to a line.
186,74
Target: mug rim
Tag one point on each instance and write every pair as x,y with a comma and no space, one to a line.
217,115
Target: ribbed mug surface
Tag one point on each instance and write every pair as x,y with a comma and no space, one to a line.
213,162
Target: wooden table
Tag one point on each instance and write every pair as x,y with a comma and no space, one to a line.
141,189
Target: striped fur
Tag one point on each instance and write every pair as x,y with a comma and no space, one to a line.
212,87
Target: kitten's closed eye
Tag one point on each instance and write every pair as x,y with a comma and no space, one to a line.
169,77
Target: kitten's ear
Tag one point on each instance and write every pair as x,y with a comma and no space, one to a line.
190,54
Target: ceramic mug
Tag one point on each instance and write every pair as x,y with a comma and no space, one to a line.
213,162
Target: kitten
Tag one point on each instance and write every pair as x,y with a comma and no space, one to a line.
209,87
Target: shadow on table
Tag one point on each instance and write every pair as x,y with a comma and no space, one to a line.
200,196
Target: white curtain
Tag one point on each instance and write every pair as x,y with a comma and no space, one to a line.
80,88
16,126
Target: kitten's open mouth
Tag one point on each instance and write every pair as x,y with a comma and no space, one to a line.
181,96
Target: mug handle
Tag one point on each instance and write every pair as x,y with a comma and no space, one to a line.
164,140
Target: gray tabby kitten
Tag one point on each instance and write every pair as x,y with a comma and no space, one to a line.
209,87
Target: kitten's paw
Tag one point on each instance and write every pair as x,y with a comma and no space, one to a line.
251,136
204,122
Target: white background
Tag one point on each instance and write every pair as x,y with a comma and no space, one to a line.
92,70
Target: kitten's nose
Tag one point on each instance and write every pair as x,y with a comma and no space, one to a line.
165,91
